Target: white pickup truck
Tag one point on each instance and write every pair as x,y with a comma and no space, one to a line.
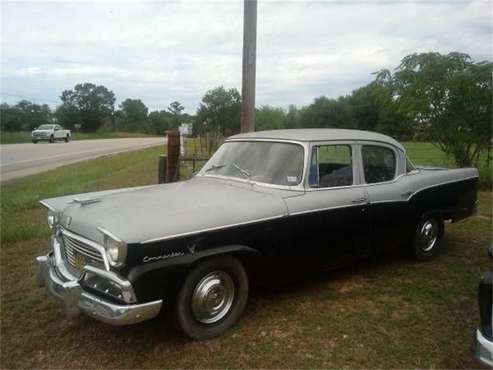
50,133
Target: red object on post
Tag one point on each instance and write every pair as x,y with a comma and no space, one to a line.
172,169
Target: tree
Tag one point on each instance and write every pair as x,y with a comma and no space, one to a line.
325,112
218,115
175,109
269,118
134,111
160,121
292,118
449,96
88,104
24,116
375,109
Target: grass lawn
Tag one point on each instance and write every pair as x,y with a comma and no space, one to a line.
25,136
387,312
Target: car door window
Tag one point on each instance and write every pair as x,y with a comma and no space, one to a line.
331,166
379,163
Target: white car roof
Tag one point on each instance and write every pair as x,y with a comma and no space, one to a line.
319,134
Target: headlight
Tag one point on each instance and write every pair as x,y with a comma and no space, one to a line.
52,219
115,248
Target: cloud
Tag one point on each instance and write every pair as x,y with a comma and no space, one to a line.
165,51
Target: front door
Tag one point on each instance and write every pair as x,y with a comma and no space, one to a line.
329,223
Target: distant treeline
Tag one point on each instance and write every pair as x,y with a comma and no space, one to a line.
446,99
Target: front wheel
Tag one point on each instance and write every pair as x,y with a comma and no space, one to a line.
67,138
212,298
35,141
52,139
428,237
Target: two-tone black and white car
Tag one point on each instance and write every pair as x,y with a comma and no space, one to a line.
266,203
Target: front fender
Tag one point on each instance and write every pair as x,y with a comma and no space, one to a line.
162,279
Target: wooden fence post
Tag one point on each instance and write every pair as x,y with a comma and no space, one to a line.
162,169
172,167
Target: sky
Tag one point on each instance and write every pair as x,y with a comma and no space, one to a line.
162,51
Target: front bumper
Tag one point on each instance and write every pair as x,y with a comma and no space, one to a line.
76,299
483,349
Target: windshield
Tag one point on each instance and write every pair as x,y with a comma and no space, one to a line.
45,127
267,162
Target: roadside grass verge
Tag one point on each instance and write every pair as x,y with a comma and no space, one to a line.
7,137
19,215
388,312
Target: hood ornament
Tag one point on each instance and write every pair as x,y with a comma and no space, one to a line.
85,202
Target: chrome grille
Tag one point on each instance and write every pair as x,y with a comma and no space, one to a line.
74,246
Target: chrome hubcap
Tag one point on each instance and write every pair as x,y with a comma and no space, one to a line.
213,297
428,235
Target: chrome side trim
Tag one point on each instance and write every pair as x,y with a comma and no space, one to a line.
174,236
327,209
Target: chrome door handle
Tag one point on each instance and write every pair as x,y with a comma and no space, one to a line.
406,194
360,200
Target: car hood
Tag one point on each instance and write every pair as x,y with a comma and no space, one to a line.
159,211
42,131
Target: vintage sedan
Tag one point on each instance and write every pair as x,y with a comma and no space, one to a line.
267,204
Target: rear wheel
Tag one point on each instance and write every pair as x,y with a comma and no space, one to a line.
428,237
67,138
52,139
212,298
35,141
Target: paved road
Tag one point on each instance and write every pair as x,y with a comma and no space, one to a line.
17,160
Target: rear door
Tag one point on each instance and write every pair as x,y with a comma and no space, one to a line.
388,190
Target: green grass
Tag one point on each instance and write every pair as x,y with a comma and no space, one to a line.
25,137
389,312
427,154
19,198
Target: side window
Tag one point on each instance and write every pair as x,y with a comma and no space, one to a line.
379,163
331,165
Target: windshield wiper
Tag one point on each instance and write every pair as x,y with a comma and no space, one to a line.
244,172
215,167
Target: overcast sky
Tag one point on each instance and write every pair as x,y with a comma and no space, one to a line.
176,50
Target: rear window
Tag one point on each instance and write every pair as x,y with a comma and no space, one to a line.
379,163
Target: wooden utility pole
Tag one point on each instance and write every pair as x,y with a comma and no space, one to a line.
249,64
